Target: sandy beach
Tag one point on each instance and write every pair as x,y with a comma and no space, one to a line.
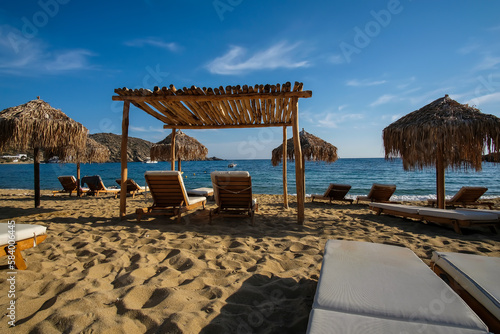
97,274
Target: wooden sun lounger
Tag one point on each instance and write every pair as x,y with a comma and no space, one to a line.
132,187
233,194
70,186
379,193
373,288
476,279
466,196
26,236
456,218
169,195
97,187
335,192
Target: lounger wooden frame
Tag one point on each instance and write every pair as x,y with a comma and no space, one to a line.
169,196
379,193
132,187
20,246
234,196
466,196
335,192
456,223
100,188
489,319
69,186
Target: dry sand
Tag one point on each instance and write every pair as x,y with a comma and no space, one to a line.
97,274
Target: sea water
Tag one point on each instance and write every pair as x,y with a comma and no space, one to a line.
266,179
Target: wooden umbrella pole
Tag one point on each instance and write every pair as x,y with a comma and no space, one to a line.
78,190
440,180
172,151
285,183
36,166
299,169
123,191
179,164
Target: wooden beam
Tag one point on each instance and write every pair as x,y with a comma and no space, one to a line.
299,169
123,191
229,97
78,181
36,166
172,151
225,126
285,183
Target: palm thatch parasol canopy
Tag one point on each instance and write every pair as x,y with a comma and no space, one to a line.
444,134
186,148
36,125
313,148
92,152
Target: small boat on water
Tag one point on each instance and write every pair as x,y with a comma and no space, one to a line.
149,161
231,165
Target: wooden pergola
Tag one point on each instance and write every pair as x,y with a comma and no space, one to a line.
219,108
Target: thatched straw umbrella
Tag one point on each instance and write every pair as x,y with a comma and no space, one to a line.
444,134
313,149
93,152
186,148
36,125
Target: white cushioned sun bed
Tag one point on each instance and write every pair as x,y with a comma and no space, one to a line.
476,279
373,288
457,218
26,236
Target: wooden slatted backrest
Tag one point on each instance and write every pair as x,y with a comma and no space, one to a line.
337,191
131,185
232,189
381,192
166,188
68,182
468,194
94,182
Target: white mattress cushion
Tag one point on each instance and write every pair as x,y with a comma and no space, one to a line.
495,212
194,200
389,282
458,214
478,275
23,231
331,322
411,209
200,191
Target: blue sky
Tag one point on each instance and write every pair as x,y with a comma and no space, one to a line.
366,62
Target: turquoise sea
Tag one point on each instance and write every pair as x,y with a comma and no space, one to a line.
266,179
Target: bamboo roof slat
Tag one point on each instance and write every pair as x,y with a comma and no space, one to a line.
238,106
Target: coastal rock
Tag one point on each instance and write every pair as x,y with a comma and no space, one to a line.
137,149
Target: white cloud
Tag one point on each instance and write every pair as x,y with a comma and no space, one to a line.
489,98
31,56
148,129
332,120
342,107
69,60
151,41
488,63
336,59
468,48
235,60
383,100
364,83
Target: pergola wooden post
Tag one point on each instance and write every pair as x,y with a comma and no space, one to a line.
299,168
219,108
285,183
123,191
172,158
